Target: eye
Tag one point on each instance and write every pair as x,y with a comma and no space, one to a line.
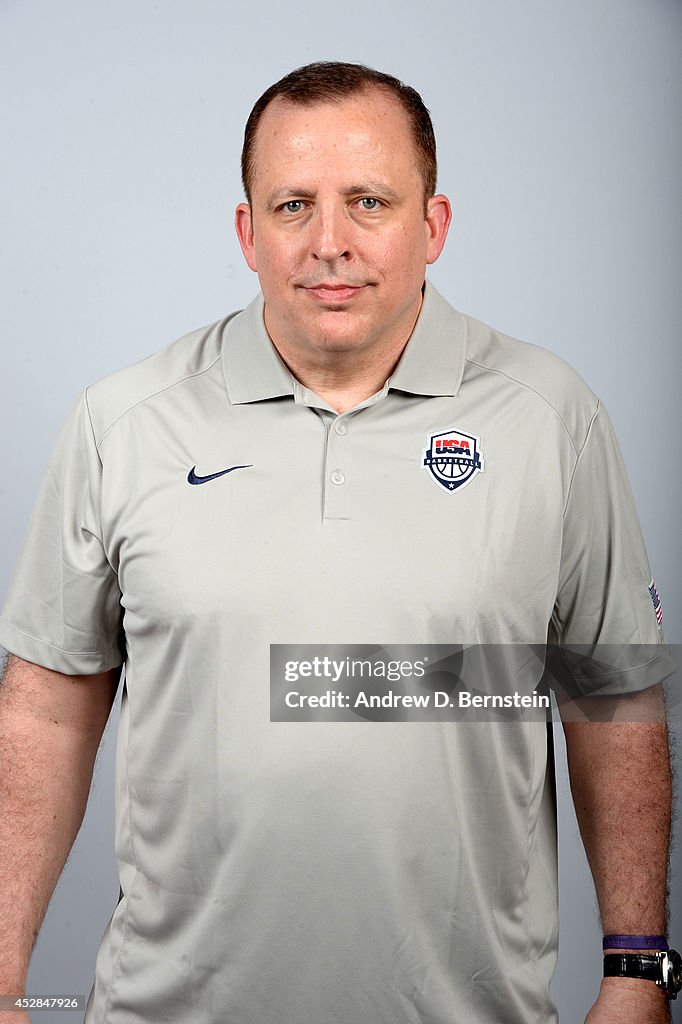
293,206
370,203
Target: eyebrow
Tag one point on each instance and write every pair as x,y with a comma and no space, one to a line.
372,188
282,194
366,188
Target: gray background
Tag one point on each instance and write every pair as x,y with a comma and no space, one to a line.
559,145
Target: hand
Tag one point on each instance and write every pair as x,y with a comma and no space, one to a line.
629,1001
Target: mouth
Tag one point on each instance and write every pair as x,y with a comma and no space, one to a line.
334,293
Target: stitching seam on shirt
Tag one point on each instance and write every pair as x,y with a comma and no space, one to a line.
529,387
547,1003
614,673
579,454
530,832
54,647
92,429
147,398
115,972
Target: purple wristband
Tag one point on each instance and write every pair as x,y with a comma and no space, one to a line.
635,942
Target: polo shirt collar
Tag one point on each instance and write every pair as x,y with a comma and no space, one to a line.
431,364
252,365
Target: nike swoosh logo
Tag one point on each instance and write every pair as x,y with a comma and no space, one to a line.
192,478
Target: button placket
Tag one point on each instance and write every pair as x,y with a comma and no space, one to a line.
336,491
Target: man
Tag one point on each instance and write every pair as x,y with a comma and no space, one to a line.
287,476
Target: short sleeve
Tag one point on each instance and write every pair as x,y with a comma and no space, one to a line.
63,609
607,617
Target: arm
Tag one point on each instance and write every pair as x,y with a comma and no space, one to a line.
621,784
50,728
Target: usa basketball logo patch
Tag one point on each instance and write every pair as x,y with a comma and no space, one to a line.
453,458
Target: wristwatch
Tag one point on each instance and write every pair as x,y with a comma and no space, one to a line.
663,968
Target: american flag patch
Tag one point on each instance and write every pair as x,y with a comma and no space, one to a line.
657,602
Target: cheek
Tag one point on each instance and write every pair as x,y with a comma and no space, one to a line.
402,255
277,262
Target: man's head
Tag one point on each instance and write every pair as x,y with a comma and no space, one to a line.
337,226
333,82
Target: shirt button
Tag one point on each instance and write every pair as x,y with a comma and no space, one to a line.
337,477
341,428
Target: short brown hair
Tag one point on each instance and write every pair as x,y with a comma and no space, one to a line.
332,82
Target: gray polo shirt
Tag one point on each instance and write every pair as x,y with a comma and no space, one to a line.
360,873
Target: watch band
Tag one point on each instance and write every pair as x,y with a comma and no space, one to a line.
632,965
664,969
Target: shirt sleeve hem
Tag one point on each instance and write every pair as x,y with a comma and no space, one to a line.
48,655
588,678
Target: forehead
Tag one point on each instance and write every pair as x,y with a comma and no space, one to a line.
369,132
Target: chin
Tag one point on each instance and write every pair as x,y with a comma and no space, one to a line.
332,334
339,345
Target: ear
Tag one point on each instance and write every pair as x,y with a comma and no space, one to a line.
438,218
244,227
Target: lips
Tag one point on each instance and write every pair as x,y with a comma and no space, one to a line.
334,293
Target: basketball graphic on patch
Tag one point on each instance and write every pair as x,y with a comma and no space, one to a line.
453,458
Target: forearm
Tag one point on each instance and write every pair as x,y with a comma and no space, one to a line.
621,784
47,761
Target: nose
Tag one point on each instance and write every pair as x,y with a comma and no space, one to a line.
330,239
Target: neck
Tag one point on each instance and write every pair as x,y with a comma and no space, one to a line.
344,384
346,378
